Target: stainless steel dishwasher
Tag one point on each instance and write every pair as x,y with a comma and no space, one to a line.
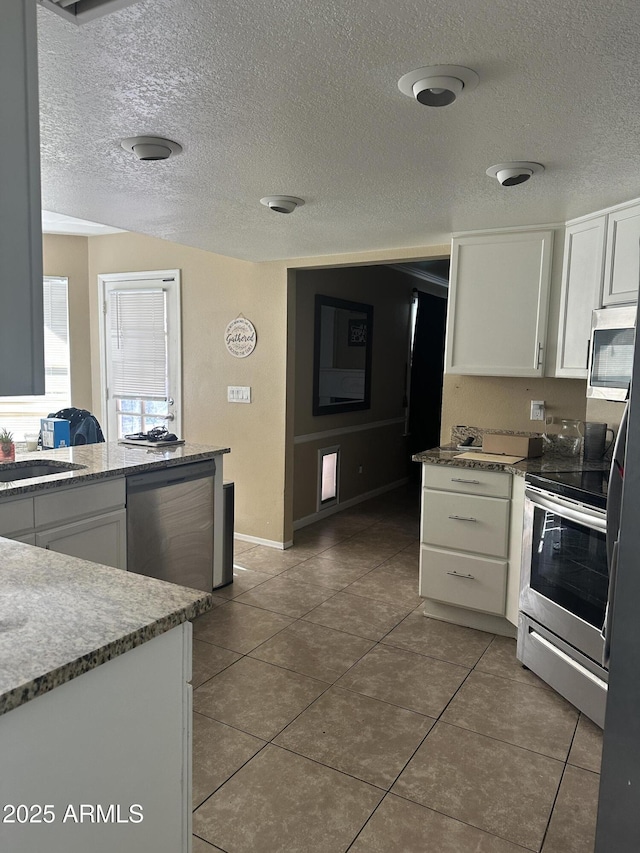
170,524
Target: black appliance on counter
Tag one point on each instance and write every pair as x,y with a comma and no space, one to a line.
565,584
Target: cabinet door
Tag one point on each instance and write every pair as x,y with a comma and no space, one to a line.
499,293
101,539
622,265
21,320
582,275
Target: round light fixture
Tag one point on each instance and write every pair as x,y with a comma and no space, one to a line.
282,203
514,173
438,85
151,147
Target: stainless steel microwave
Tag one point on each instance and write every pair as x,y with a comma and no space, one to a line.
613,333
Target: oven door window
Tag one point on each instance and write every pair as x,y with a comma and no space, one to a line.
569,565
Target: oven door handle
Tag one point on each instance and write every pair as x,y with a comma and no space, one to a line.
594,520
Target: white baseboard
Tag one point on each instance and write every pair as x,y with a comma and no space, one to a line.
332,510
269,543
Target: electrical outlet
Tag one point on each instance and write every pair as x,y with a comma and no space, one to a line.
238,393
537,410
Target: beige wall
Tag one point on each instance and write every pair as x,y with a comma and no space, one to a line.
68,256
215,290
500,402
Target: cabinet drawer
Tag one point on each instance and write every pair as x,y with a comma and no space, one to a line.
471,481
16,515
476,583
78,502
465,522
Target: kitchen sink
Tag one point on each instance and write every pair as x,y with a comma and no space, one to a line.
10,471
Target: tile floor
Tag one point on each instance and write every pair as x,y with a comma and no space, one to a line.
331,715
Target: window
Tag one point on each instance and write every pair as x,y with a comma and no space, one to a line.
22,414
140,351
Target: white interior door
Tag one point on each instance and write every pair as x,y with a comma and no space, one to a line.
141,352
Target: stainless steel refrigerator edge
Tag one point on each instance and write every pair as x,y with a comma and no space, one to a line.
618,828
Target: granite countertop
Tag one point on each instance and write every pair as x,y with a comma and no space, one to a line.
535,465
61,616
100,461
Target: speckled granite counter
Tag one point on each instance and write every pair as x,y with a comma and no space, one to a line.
537,465
103,460
60,617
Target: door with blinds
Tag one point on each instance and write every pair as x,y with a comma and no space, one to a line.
141,352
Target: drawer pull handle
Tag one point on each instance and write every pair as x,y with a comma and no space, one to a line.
458,575
462,518
461,480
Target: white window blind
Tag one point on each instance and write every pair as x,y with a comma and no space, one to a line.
22,414
138,343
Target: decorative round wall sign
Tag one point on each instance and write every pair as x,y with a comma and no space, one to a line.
240,337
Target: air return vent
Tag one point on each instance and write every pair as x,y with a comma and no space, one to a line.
82,11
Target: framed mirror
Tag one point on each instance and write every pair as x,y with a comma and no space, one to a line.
342,356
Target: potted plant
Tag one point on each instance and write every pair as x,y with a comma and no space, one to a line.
7,447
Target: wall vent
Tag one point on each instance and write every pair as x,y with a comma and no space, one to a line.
82,11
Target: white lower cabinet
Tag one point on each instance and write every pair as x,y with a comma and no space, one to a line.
87,521
100,539
464,539
117,737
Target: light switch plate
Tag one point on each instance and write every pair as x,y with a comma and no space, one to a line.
238,393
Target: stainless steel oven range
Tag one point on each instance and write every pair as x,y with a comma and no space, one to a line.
564,586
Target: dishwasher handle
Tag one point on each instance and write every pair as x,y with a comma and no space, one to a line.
169,476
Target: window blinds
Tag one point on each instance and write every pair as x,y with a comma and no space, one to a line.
138,343
56,340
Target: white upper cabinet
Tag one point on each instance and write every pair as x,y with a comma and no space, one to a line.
498,299
622,264
21,319
582,275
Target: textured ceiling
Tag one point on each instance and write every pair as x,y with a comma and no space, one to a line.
280,96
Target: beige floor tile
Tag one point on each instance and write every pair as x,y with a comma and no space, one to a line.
363,737
218,751
209,660
283,803
238,627
287,596
442,640
387,586
243,580
586,749
400,826
526,716
356,615
272,561
359,556
200,846
500,659
405,564
494,786
327,573
573,823
240,546
404,678
383,537
256,697
313,650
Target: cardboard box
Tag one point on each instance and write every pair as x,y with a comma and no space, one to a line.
55,433
512,445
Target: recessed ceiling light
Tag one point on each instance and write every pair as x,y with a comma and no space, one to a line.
282,203
438,85
514,173
151,147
